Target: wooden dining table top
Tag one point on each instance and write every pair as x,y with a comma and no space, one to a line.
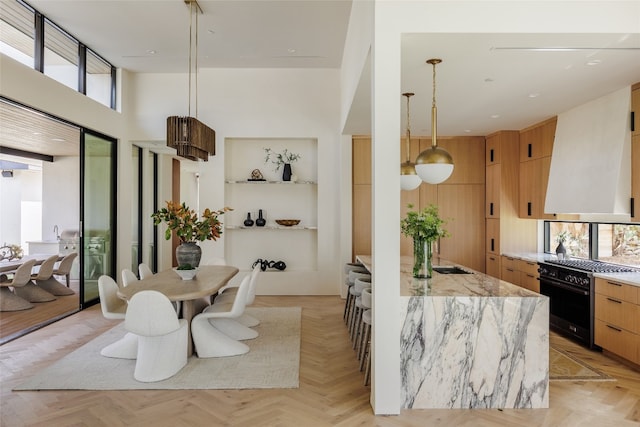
208,280
14,264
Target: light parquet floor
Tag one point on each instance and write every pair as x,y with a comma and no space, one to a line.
331,392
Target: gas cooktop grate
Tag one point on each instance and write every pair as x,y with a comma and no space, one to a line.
593,266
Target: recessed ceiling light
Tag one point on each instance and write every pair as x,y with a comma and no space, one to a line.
151,52
37,133
211,31
58,139
534,95
467,131
291,50
594,62
495,116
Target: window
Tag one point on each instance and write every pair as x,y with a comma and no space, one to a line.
17,32
98,79
610,242
60,56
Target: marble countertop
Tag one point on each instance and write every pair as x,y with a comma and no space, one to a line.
476,284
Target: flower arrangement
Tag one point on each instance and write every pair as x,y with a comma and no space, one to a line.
563,236
425,224
184,221
280,159
11,252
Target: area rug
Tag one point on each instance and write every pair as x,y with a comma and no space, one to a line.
566,367
272,362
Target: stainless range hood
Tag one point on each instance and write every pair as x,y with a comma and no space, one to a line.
590,170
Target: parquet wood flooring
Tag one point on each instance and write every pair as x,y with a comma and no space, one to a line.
331,391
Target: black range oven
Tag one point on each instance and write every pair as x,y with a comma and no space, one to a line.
569,284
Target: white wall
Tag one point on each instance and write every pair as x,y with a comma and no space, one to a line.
257,103
60,196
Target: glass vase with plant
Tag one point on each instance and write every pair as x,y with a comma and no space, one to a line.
189,228
561,250
424,226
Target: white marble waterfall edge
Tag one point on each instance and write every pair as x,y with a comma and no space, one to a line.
475,352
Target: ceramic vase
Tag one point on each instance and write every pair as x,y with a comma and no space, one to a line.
248,222
260,222
286,173
188,253
561,251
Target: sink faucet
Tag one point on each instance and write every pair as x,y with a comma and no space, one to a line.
55,231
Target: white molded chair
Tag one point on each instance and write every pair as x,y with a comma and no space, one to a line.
128,276
162,337
9,301
144,271
32,292
115,308
209,341
52,285
228,294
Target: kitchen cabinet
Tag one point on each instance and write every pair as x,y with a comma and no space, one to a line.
505,231
635,153
617,318
521,272
536,145
297,245
460,199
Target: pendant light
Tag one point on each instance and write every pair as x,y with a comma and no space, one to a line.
409,179
434,165
191,138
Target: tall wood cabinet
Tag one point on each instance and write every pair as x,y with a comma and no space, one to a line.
635,153
460,199
536,145
505,231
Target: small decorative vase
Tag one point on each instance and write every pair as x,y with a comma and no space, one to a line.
286,173
188,253
561,251
260,222
248,222
422,253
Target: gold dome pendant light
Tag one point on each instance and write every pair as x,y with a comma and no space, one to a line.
409,179
434,165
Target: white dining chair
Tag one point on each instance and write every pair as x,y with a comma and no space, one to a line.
52,285
115,308
209,341
144,271
9,301
162,337
128,276
32,292
227,296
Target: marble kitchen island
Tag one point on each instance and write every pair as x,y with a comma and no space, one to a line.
472,341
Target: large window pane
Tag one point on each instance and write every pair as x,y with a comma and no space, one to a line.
98,79
619,243
576,238
17,32
60,56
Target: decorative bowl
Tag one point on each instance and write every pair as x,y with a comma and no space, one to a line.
287,222
186,274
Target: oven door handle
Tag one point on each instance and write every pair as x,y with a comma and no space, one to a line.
564,286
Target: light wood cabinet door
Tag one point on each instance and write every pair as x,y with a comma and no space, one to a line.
617,340
493,236
493,193
534,177
361,160
530,281
635,176
493,150
467,154
537,141
635,108
492,266
510,274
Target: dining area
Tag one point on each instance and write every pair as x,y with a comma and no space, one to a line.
168,319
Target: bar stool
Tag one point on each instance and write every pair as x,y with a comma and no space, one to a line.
349,267
364,326
365,360
356,311
351,297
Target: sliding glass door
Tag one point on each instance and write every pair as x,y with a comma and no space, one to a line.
98,207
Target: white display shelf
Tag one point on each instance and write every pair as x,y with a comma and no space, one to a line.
271,227
272,182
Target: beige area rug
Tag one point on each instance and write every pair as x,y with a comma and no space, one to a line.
566,367
272,362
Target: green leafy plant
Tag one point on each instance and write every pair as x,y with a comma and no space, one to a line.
563,236
185,267
425,224
184,221
280,159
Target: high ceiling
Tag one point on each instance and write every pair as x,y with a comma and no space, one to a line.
484,84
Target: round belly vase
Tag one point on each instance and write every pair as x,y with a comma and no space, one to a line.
188,253
422,254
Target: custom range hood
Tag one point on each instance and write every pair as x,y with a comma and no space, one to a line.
590,170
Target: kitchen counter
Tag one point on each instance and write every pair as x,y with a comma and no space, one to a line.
632,279
471,341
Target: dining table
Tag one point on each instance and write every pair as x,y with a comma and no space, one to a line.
11,266
208,280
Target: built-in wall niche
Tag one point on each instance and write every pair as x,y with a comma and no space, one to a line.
297,245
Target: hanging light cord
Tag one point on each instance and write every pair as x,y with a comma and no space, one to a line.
434,110
191,48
